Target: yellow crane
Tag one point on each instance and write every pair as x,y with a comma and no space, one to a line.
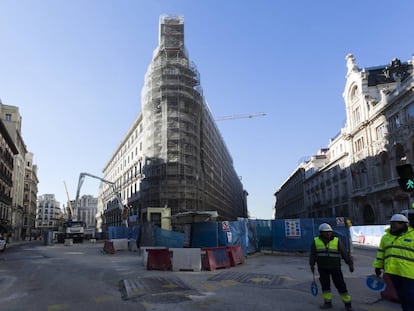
71,215
241,116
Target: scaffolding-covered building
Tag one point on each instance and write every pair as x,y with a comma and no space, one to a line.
173,157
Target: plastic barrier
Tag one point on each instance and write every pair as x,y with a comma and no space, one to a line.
68,242
216,257
159,259
132,245
186,259
109,247
120,244
144,253
235,255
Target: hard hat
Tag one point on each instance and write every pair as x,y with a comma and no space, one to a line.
325,227
399,218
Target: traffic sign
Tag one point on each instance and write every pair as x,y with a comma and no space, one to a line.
375,283
406,180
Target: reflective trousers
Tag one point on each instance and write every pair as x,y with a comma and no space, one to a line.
338,280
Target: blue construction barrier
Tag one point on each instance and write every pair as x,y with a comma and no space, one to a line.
204,234
168,238
298,234
233,233
124,232
264,234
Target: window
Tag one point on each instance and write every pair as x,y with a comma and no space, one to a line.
395,122
381,131
356,115
8,117
156,219
359,144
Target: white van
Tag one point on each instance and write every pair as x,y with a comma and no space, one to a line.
2,244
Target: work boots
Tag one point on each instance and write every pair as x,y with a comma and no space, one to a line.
326,305
348,307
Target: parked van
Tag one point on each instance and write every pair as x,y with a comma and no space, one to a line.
3,244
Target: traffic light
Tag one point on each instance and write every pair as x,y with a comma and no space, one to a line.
406,179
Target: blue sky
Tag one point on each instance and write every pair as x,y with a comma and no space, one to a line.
76,68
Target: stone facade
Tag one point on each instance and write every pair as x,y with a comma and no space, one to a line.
357,178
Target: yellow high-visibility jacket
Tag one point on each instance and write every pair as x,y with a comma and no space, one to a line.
328,255
396,254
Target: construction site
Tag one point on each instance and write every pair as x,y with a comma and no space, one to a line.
173,159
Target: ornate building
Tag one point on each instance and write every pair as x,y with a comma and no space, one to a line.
48,212
30,196
23,212
358,178
173,157
7,150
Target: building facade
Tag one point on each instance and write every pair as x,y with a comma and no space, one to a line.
358,177
24,175
7,150
48,214
86,211
30,196
173,157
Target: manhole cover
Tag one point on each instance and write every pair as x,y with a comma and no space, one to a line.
151,285
259,279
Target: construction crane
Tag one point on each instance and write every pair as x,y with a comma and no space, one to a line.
123,209
241,116
70,209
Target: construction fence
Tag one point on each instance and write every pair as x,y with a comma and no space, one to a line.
285,235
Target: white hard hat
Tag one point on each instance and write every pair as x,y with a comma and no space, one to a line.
325,227
399,218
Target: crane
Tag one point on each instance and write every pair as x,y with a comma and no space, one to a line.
241,116
123,210
70,209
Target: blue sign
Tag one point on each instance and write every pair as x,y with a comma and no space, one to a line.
375,283
314,288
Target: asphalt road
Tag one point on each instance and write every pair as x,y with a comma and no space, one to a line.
81,277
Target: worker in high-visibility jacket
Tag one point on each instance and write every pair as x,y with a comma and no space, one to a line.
327,251
395,256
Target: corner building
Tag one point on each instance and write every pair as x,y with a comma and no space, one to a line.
180,161
356,175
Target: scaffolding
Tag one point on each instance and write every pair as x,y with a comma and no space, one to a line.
187,165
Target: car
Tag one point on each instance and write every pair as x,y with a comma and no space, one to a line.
3,244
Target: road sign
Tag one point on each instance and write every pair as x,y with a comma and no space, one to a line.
375,283
406,180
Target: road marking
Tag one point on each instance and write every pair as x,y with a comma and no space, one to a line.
104,299
57,307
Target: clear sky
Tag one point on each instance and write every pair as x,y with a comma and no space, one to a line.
76,68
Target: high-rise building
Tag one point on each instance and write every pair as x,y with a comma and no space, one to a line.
173,157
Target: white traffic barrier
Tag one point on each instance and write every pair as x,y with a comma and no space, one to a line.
132,245
120,244
68,242
186,259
